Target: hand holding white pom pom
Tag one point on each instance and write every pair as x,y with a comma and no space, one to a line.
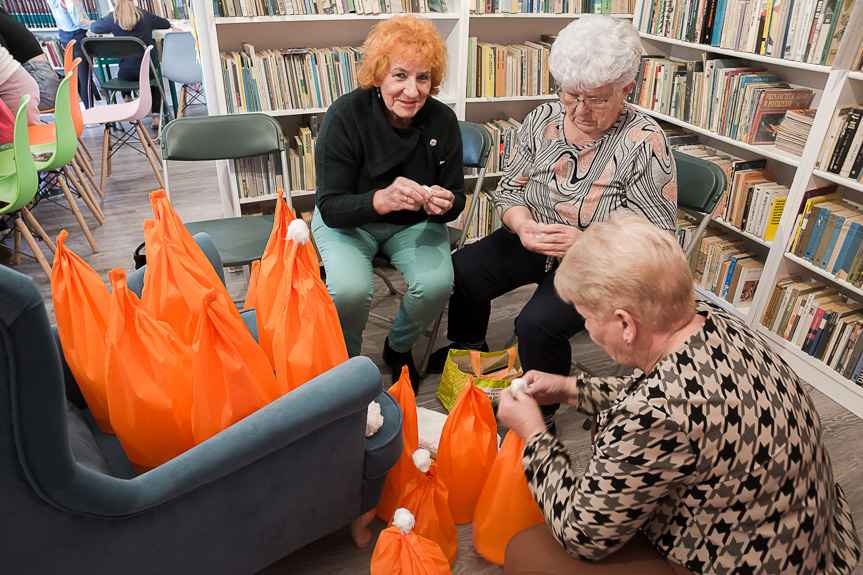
374,419
404,520
517,384
422,459
298,232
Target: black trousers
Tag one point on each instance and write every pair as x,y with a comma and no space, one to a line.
497,265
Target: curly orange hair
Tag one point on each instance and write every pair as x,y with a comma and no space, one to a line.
408,37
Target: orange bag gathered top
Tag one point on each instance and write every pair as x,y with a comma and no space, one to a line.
426,498
178,273
404,470
231,377
468,445
307,339
400,551
249,303
506,505
148,385
82,305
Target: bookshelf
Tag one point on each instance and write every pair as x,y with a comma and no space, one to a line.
834,85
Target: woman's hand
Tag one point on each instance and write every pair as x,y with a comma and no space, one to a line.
402,194
440,201
548,388
520,414
548,239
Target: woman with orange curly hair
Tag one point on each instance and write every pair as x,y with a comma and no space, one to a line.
390,175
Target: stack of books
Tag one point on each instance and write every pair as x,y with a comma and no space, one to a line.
819,321
551,6
723,265
37,14
799,30
794,131
170,9
261,176
240,8
497,71
485,219
840,153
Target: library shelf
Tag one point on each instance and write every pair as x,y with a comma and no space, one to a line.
705,294
273,197
743,233
305,18
539,98
855,292
541,16
837,179
817,374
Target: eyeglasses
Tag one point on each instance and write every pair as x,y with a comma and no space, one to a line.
591,103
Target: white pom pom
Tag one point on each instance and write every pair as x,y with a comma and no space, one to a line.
374,419
422,459
298,232
517,384
404,520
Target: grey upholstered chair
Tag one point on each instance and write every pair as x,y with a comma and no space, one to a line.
284,476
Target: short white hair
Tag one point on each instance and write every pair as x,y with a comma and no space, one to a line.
596,50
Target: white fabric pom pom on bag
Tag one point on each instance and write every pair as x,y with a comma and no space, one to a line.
374,419
404,520
298,232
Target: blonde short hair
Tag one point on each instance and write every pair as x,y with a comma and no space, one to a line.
126,15
408,37
628,263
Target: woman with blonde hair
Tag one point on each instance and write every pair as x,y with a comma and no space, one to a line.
390,175
708,460
129,20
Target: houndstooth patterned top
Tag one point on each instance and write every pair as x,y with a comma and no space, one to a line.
716,456
630,166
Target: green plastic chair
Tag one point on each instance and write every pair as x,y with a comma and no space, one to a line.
57,154
19,181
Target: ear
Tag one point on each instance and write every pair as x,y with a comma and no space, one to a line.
626,323
627,89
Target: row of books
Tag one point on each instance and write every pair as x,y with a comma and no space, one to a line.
258,176
240,8
828,234
751,202
720,94
262,175
53,52
485,219
551,6
37,13
794,130
840,153
722,264
293,78
170,9
497,71
798,30
819,321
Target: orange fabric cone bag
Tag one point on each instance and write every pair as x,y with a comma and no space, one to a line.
426,498
403,552
468,445
82,305
307,339
178,273
231,377
404,470
505,505
149,390
253,285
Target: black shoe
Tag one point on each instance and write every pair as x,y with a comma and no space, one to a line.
398,360
437,360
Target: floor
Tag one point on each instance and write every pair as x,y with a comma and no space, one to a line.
195,196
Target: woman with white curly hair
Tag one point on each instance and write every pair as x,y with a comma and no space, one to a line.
575,162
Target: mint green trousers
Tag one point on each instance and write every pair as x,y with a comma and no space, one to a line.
420,252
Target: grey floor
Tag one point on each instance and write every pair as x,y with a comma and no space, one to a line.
195,196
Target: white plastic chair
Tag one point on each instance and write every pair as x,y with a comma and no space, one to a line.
131,112
180,65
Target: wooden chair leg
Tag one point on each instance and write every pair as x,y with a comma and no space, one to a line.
31,241
360,532
71,169
106,150
82,160
83,145
91,175
31,221
16,247
183,104
150,148
71,199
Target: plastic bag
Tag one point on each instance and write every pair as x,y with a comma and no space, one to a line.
492,372
404,470
426,497
249,303
231,377
178,273
400,551
148,385
82,305
468,445
506,505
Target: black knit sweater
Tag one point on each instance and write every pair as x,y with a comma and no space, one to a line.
359,153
